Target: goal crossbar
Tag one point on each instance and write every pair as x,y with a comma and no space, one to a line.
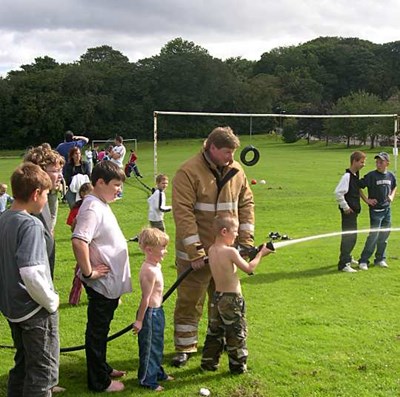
278,115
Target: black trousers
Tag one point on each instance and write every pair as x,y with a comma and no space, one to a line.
349,222
100,312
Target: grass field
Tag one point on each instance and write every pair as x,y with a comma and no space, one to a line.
312,330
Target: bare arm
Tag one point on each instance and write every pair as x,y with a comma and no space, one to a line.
393,194
81,138
242,264
147,283
81,252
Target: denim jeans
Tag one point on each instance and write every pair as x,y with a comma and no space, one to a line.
151,348
37,356
379,219
100,312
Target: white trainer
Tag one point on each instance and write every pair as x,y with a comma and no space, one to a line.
363,266
349,269
382,264
354,262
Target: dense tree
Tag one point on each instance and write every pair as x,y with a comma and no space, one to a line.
103,93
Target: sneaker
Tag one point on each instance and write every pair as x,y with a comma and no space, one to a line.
382,264
348,269
180,359
363,266
135,239
354,261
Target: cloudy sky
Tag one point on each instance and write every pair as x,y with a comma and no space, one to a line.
65,29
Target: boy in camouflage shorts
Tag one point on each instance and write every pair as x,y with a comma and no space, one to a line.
227,314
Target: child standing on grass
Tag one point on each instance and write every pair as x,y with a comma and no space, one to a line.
227,324
157,201
27,296
150,320
102,255
5,198
75,293
347,195
382,187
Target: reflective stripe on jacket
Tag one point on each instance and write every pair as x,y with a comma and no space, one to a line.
199,193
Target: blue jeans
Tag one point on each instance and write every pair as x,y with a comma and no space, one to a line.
37,356
379,219
151,348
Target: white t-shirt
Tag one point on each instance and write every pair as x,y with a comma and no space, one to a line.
157,206
121,151
96,224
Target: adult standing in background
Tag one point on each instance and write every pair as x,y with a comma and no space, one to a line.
117,156
118,152
74,173
70,141
209,184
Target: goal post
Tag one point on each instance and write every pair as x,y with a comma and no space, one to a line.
156,113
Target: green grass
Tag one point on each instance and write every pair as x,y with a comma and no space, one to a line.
312,330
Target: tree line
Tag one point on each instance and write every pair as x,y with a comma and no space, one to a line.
103,94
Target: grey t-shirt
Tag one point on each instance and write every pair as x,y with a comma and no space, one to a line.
22,244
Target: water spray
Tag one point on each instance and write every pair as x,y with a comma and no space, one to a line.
280,244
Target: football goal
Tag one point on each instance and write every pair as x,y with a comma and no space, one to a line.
250,116
129,143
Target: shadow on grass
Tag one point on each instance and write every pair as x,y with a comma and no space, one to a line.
290,275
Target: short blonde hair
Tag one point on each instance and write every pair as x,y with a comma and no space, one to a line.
224,222
3,186
152,237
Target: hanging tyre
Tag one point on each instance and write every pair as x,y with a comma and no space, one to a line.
253,160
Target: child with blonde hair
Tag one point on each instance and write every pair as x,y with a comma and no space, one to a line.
227,323
150,319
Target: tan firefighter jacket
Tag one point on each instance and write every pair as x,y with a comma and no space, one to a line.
199,193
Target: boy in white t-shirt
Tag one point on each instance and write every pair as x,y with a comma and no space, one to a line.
157,206
118,152
101,252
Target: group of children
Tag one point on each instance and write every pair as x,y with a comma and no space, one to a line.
30,303
103,269
382,186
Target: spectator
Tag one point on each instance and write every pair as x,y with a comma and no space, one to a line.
5,198
27,296
101,253
77,172
71,141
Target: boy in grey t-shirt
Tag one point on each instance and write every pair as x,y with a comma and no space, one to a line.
27,296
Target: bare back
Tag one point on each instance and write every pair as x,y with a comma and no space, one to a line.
223,268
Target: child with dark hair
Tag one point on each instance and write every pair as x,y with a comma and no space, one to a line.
27,296
101,253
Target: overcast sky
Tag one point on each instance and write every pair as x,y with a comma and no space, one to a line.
65,29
